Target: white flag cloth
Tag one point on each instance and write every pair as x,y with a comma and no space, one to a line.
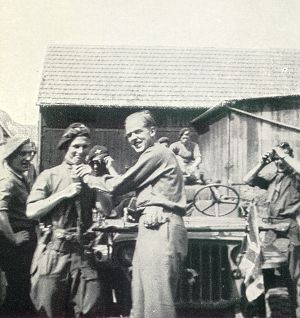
251,263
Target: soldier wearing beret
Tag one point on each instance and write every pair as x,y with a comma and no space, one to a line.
98,158
101,163
64,277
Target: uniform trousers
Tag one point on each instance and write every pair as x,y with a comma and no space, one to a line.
157,262
65,283
15,261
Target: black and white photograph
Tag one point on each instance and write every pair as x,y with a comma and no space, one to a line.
150,159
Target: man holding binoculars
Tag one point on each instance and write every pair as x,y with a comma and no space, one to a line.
283,201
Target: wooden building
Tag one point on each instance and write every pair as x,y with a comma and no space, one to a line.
100,86
235,134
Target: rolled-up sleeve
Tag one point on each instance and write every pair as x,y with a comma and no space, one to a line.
40,189
6,188
260,182
147,168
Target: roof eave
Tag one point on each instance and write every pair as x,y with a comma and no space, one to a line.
220,110
48,104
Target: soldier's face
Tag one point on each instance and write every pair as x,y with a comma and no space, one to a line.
185,137
281,164
78,150
21,161
139,137
98,167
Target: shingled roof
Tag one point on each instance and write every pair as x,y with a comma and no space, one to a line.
164,76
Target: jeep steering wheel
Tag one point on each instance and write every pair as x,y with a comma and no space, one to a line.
216,200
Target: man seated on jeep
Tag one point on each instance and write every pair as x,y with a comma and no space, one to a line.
283,199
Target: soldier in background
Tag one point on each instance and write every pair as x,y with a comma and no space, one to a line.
97,159
164,141
17,232
188,154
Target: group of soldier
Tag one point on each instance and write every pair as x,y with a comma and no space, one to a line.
56,275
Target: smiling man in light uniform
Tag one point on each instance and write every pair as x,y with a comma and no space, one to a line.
64,280
17,232
162,239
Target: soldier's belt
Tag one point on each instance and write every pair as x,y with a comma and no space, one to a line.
66,235
67,241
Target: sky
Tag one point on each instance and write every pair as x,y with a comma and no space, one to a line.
28,27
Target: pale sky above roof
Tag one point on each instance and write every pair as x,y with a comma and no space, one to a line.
28,27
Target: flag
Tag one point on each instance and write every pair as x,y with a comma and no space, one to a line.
251,263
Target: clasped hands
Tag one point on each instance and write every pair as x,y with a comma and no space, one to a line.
277,152
154,218
78,172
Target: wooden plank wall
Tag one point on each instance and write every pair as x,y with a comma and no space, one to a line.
231,147
213,146
107,129
237,142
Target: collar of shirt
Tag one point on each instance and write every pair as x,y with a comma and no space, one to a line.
11,170
67,165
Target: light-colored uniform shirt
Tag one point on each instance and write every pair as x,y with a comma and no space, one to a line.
283,193
156,177
64,215
188,152
14,190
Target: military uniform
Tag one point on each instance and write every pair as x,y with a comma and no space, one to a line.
284,203
159,252
187,153
64,277
16,260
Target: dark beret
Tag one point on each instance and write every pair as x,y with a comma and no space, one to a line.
97,153
70,133
163,139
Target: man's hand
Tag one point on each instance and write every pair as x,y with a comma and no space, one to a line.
72,190
21,237
108,160
266,158
153,219
83,170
